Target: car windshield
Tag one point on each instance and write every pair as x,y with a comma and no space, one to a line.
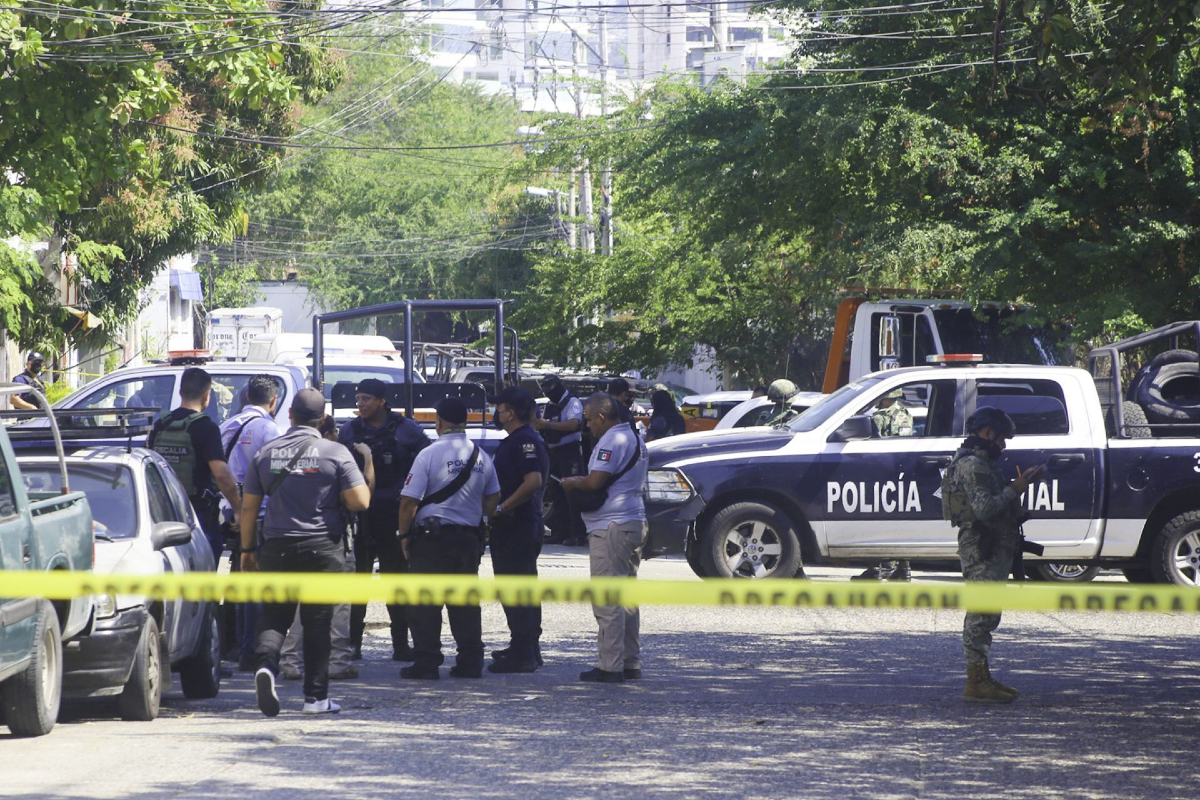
831,404
358,372
109,490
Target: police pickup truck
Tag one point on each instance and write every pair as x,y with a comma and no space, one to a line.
829,487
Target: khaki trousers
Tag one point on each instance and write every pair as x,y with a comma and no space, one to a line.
616,552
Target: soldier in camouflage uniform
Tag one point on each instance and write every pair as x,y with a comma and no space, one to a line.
890,418
987,511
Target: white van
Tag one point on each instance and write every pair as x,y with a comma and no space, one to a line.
296,348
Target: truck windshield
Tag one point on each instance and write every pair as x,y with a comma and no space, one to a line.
831,404
1000,336
358,372
109,490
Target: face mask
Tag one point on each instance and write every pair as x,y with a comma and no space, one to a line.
35,367
496,421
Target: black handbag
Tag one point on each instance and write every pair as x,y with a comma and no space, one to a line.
593,499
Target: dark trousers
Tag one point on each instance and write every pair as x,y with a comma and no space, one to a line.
453,551
515,548
299,554
378,538
565,522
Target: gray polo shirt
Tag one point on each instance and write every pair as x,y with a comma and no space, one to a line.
308,501
611,454
440,463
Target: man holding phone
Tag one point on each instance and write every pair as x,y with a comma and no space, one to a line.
987,510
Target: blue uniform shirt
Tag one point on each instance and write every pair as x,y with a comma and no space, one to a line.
393,459
518,454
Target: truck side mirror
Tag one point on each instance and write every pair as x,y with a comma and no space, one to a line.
169,534
854,429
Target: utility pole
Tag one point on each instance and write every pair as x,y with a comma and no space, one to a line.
606,198
585,175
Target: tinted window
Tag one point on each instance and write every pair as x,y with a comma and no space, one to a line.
229,395
109,490
915,409
154,391
161,509
179,498
1036,407
832,404
1001,335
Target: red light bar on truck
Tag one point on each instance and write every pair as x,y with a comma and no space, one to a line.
955,358
187,357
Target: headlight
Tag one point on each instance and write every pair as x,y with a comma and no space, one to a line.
106,606
667,486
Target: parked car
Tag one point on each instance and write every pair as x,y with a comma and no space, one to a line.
144,525
756,411
39,531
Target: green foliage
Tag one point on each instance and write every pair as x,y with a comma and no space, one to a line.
99,128
1051,163
229,284
373,226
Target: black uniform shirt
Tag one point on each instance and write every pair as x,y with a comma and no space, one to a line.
518,454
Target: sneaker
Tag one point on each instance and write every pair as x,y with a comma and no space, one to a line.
420,673
900,574
264,692
325,706
632,673
247,663
597,675
349,673
460,671
292,674
509,665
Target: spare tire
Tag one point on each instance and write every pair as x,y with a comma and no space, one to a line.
1133,419
1168,389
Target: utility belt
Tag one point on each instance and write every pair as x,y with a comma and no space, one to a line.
434,530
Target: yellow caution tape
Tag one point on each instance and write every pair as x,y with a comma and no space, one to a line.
521,590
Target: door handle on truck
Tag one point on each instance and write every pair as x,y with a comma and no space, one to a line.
1063,459
26,553
938,461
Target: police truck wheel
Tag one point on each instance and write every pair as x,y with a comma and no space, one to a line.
200,675
750,540
143,691
1175,556
1063,573
31,698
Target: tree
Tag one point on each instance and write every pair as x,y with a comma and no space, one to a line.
1038,152
131,131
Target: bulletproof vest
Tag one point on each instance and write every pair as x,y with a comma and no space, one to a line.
553,413
956,505
391,462
173,442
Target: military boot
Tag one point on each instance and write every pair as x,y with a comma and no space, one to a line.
980,688
1008,689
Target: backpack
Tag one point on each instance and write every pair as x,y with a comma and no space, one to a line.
173,442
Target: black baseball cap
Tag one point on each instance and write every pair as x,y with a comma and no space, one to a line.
373,387
34,356
618,386
307,405
515,398
551,378
452,410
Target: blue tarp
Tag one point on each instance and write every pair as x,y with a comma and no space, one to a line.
189,285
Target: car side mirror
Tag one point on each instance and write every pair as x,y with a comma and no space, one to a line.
170,534
854,429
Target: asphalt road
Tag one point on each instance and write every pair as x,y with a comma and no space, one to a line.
736,702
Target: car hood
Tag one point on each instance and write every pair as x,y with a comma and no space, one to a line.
126,556
711,443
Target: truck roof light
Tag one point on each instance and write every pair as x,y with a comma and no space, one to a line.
955,358
185,357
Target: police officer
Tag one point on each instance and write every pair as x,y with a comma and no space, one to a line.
780,392
561,425
522,467
987,511
616,532
890,418
394,440
33,368
451,487
191,443
311,482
